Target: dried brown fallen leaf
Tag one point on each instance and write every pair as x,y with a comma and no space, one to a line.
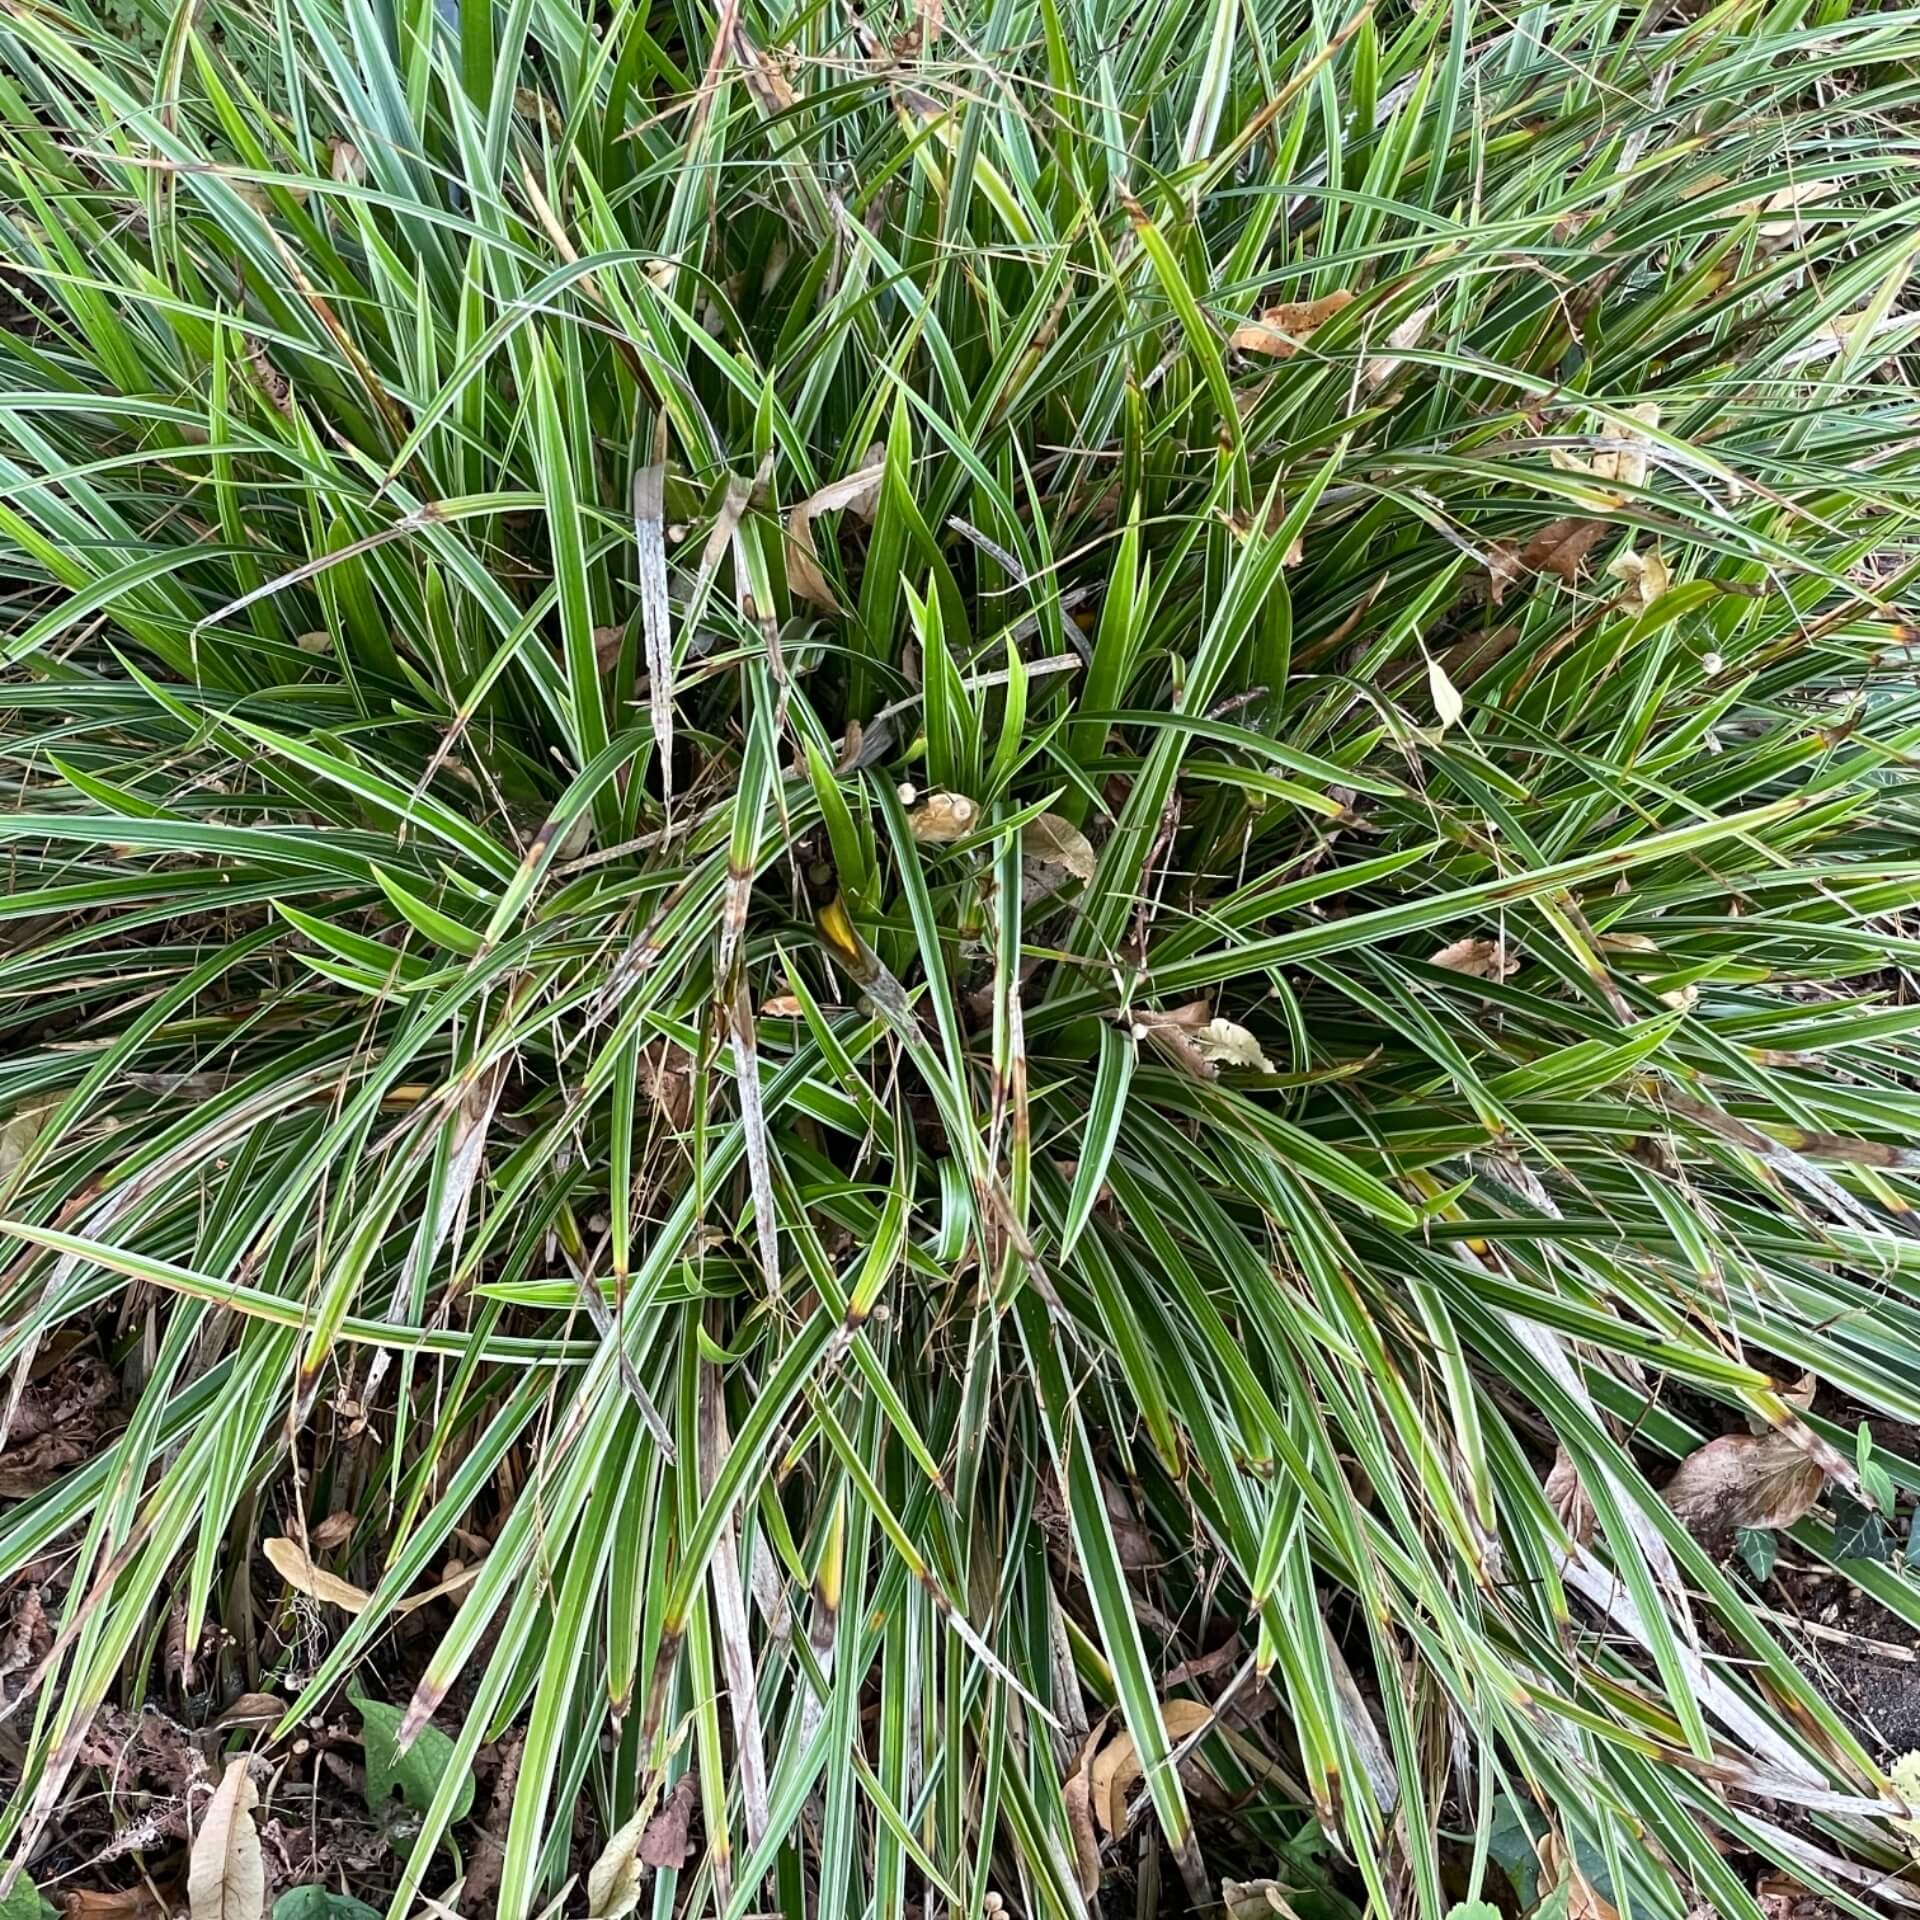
289,1560
1786,201
1744,1480
1282,331
1076,1793
803,559
667,1841
1117,1765
1478,957
111,1903
1621,462
226,1878
1559,1869
1560,546
334,1531
943,817
615,1879
1568,1498
1051,841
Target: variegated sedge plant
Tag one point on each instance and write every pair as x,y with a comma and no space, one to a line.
513,515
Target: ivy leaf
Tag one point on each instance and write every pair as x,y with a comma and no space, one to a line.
417,1772
1759,1547
1858,1532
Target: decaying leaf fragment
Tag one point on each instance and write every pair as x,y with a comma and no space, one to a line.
1054,857
1568,1498
1077,1792
943,817
1644,575
1479,957
1282,331
1225,1043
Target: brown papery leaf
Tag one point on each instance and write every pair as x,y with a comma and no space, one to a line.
226,1878
1282,331
334,1531
1077,1795
1744,1480
667,1840
1117,1768
253,1710
803,559
290,1561
1054,842
1478,957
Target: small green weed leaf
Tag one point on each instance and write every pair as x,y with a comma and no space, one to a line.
23,1901
321,1903
416,1772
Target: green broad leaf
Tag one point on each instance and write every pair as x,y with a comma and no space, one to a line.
417,1772
24,1901
321,1903
1473,1910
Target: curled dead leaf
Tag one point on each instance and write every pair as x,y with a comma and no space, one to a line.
290,1561
334,1531
1479,957
857,492
1559,1869
1282,331
1778,212
1051,841
1745,1480
943,817
1644,575
1224,1043
1117,1768
1408,334
1568,1498
1077,1793
1256,1900
253,1710
667,1840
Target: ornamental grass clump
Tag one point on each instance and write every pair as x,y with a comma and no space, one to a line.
957,961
